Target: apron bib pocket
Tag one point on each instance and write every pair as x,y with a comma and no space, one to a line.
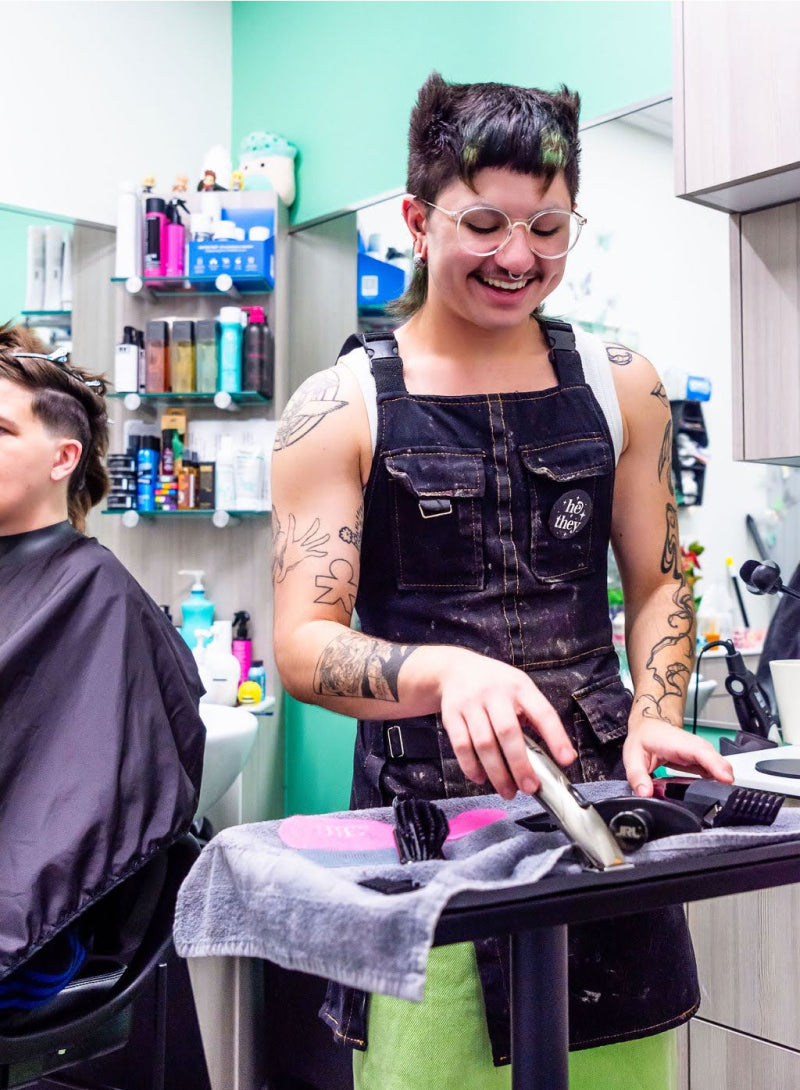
437,528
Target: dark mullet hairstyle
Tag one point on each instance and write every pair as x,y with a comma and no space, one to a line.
67,407
458,129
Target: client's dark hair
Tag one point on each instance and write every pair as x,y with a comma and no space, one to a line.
67,407
458,129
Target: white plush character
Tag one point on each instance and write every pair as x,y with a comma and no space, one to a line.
267,162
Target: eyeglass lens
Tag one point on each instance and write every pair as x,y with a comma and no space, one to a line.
483,231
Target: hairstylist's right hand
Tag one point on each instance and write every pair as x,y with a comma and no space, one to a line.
483,706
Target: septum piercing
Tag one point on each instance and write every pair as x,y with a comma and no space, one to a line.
511,275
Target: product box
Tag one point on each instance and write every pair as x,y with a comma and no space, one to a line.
242,261
206,486
378,281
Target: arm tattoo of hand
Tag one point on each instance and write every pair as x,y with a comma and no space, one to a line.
356,665
308,406
338,586
289,549
353,536
659,392
619,354
671,555
670,661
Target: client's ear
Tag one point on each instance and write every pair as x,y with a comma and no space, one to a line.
66,459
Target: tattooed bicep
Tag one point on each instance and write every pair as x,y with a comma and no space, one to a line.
309,405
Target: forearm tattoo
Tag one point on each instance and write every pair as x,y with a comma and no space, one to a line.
619,354
670,661
352,536
290,548
308,406
338,586
357,665
671,554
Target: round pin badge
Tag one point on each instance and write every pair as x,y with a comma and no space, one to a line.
570,513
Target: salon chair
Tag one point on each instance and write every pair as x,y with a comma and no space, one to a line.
93,1015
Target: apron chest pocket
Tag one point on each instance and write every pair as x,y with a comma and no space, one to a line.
436,515
563,481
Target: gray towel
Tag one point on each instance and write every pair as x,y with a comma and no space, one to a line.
248,895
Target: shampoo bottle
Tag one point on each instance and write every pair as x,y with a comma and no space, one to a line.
128,258
242,648
259,354
126,363
155,227
221,677
174,264
197,611
230,350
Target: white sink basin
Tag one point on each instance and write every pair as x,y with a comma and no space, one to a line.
230,733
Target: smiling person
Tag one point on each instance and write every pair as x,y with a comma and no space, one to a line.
457,482
101,743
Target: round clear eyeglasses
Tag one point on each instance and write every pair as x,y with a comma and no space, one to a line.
483,231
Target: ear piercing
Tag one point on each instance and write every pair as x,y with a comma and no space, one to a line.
419,261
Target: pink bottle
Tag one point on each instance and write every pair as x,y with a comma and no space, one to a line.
175,263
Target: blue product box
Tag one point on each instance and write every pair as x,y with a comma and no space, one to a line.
378,281
698,388
243,261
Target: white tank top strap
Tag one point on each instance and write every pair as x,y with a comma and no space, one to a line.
596,370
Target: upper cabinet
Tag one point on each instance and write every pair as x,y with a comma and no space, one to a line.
736,94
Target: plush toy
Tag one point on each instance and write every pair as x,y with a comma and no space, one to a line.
267,162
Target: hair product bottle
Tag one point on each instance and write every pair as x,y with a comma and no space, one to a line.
157,352
259,353
126,363
242,648
155,228
174,264
182,357
207,366
230,350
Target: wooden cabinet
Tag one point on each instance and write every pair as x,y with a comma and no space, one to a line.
765,292
747,1034
736,89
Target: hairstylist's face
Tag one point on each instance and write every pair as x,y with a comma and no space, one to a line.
35,465
501,290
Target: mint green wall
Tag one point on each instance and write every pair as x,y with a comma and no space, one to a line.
14,264
339,78
319,758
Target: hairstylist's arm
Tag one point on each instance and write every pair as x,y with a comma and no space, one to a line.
321,461
659,610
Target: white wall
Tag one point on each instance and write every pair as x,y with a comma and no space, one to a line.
95,92
660,274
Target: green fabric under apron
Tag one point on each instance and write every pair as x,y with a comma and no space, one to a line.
442,1043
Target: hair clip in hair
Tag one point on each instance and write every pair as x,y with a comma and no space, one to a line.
60,358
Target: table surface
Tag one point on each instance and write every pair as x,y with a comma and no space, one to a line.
591,895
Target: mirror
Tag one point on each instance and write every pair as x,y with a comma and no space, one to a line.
35,275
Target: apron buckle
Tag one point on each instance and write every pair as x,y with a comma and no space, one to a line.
390,740
433,507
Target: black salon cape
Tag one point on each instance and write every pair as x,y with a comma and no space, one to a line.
101,743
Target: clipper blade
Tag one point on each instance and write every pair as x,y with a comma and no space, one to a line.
746,806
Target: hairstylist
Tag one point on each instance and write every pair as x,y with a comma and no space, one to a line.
458,482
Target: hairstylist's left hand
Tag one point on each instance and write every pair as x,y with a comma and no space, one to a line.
653,742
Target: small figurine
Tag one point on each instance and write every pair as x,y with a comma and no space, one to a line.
237,181
209,182
148,183
267,162
181,184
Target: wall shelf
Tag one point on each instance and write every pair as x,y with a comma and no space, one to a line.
220,518
166,286
221,399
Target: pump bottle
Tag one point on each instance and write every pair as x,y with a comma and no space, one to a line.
197,611
242,647
259,353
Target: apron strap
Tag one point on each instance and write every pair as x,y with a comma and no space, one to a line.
384,359
564,356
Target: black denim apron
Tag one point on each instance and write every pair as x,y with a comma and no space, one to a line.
486,525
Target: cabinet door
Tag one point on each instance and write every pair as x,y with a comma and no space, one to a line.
749,964
723,1060
766,344
737,84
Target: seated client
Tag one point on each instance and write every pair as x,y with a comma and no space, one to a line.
101,743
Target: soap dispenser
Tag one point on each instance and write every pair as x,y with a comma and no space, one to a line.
197,611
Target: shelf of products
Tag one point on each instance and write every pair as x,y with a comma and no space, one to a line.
50,319
689,458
